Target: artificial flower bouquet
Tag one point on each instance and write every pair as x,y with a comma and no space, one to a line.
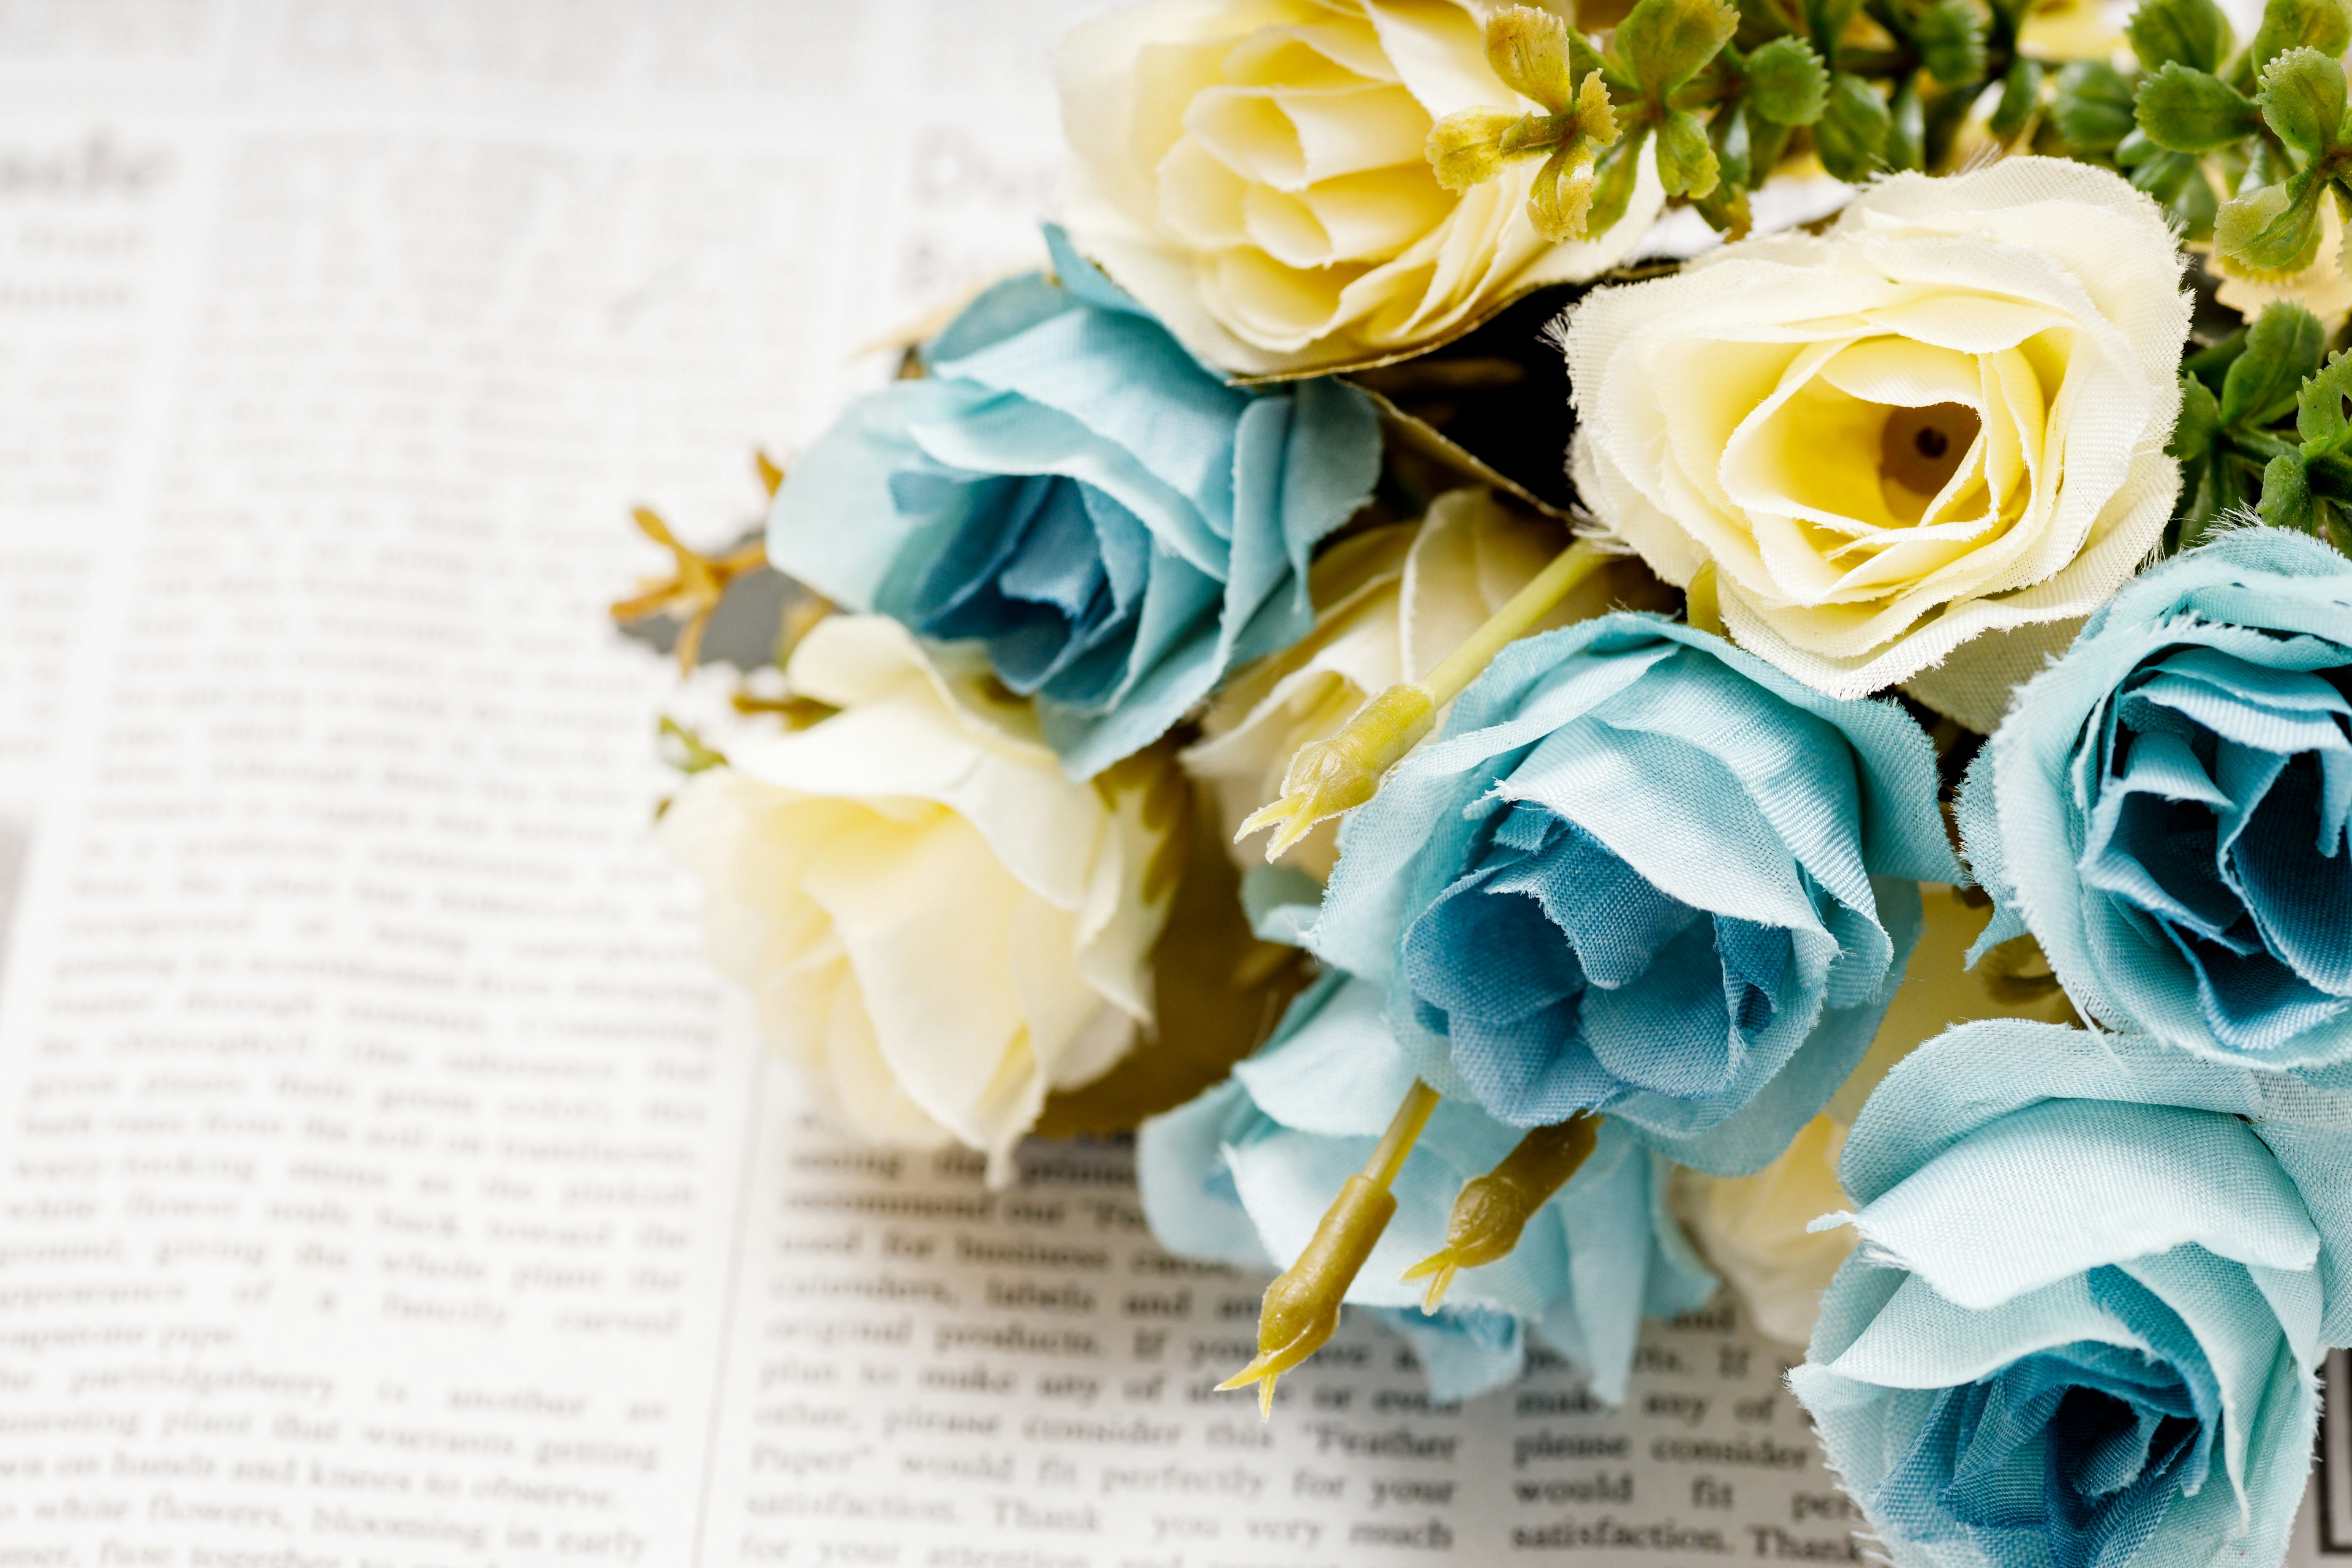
1536,784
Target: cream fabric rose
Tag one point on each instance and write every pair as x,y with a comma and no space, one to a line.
1945,417
935,927
1391,604
1752,1228
1253,170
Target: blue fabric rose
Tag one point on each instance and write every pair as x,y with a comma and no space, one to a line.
1070,488
1241,1174
2095,1279
1645,873
2166,807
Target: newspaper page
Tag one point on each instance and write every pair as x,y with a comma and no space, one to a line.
384,1177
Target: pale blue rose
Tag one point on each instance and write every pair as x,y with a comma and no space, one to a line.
1071,488
2094,1282
2166,807
1644,873
1241,1174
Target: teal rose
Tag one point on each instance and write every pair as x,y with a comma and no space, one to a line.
2094,1279
1071,489
1241,1175
2167,808
1644,873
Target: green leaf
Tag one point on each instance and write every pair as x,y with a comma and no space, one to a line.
2329,477
1950,38
2286,496
1766,144
1528,49
2175,179
2190,111
2020,94
1827,20
2093,109
1787,83
1665,43
2319,408
1726,210
2332,480
1729,131
1948,115
1613,190
2210,363
2193,33
2200,419
1687,165
2321,25
2274,229
2011,14
1559,198
2195,206
2282,348
2220,488
1851,135
2302,99
1907,133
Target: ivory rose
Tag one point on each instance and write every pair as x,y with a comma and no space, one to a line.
936,926
1389,606
1254,172
1752,1229
1944,417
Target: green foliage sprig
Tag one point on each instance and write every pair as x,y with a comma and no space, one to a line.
1730,89
2263,431
2266,124
2240,146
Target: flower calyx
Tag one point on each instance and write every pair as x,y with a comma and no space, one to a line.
1329,777
1494,1209
1539,57
1301,1309
2271,123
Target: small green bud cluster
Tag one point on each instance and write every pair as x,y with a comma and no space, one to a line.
1729,89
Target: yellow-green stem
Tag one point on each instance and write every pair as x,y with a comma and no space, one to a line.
1518,614
1404,1131
1301,1309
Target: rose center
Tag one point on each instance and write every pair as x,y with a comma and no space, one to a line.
1920,448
